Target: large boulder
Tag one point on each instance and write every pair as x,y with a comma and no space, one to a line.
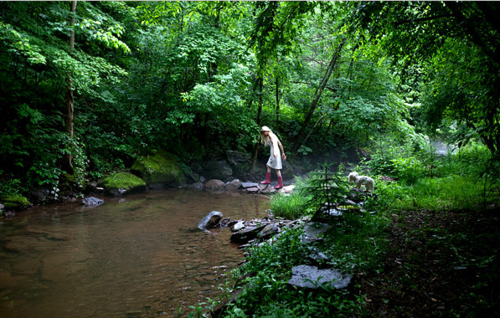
159,170
214,185
220,170
14,201
240,162
123,183
39,195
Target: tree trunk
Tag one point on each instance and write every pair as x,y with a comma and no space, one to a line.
259,113
277,104
317,96
69,87
320,120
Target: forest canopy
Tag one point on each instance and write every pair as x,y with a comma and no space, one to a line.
87,87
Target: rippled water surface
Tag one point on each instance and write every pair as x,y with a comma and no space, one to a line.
141,256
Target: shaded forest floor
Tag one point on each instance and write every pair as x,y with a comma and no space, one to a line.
439,264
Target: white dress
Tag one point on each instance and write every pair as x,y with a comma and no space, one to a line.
274,162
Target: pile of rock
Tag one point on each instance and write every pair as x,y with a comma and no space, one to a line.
245,232
257,231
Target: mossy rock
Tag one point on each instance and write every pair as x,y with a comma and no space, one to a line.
160,169
14,201
124,183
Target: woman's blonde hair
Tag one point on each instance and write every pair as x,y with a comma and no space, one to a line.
263,138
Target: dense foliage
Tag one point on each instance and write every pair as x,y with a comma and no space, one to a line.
87,87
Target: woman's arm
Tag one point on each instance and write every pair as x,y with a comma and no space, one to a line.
282,150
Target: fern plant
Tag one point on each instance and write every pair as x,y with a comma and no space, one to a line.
326,189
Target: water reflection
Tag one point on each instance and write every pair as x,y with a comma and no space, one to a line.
139,257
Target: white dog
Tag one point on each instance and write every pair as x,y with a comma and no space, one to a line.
368,182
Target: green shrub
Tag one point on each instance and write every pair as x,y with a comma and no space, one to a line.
12,186
407,170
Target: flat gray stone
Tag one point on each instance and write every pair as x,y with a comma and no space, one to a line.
268,231
312,230
246,235
253,189
249,184
305,276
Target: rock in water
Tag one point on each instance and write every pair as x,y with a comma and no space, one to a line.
214,184
123,183
249,185
39,195
210,221
246,234
233,185
238,226
305,276
268,231
92,201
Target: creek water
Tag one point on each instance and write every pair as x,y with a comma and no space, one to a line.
138,256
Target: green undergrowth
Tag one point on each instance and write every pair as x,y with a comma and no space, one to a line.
452,192
354,244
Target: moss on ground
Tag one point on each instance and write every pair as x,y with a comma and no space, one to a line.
14,201
124,180
160,168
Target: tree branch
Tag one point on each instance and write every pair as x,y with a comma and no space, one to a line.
424,19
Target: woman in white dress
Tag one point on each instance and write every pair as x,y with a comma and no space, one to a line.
268,138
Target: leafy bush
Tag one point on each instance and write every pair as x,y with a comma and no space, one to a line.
407,170
12,186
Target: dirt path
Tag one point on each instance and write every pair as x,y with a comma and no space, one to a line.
439,264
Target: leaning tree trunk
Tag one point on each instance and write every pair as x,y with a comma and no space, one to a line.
69,87
317,96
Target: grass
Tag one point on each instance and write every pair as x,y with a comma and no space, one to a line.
447,193
292,206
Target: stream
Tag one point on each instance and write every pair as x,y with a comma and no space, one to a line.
137,256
